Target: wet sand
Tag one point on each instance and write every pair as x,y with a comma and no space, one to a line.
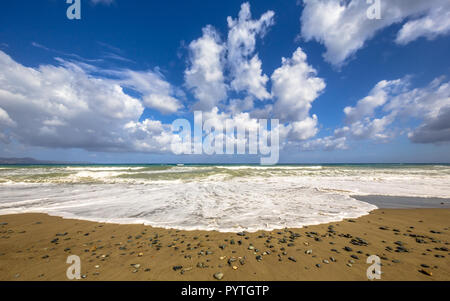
412,244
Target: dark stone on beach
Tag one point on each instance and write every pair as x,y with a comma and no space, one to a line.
222,247
45,257
357,241
54,241
177,267
354,256
318,265
258,258
62,234
426,272
348,249
424,265
242,261
383,228
232,242
401,249
292,259
231,260
395,261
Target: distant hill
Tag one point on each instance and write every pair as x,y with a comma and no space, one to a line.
27,161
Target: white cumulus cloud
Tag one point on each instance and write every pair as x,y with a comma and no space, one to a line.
344,28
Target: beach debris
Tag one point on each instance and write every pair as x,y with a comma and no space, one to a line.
177,267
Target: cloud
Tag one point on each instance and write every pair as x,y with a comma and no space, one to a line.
163,103
434,130
295,86
344,28
246,67
5,120
65,107
394,101
156,92
328,143
205,73
376,98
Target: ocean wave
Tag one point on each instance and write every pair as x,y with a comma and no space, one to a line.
230,198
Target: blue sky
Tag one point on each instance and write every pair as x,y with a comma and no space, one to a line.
391,74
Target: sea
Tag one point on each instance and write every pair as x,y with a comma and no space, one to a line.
226,198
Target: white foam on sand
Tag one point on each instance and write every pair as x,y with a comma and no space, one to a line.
265,199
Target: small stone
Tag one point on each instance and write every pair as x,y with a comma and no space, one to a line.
426,272
292,259
218,275
235,267
177,267
326,261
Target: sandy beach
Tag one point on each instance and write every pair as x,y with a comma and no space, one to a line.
412,245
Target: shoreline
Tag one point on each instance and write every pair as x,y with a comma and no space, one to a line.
412,245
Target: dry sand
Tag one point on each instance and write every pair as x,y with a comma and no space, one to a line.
36,247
